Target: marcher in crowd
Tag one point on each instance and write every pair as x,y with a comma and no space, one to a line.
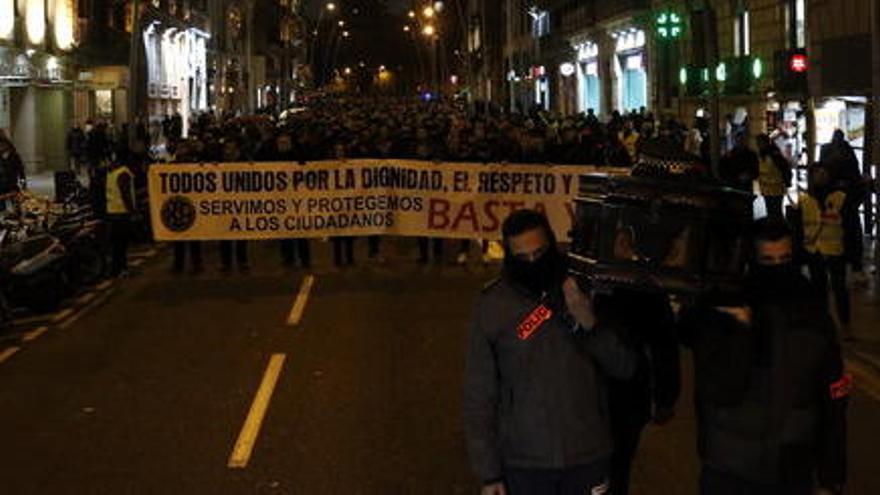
12,177
740,167
291,249
645,323
232,153
535,410
822,210
629,138
121,212
188,152
843,169
774,175
770,392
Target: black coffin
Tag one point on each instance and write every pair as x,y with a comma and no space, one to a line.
678,235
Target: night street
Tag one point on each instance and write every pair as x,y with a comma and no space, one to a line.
146,387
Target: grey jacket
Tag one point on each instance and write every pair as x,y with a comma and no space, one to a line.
534,395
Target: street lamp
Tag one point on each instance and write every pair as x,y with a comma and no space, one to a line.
428,12
406,28
345,34
428,30
411,14
331,6
341,23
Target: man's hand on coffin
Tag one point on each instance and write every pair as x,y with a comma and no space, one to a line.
743,314
579,304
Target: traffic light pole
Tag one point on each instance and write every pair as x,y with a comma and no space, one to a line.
715,104
874,107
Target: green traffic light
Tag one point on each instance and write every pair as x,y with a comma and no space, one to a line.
757,68
721,72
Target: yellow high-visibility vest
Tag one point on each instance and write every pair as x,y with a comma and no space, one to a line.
770,178
823,229
115,202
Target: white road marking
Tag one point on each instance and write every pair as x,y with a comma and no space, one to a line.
8,353
30,320
86,298
34,334
83,311
299,304
62,315
105,284
865,380
241,453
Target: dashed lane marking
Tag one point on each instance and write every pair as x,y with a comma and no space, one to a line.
866,380
34,334
244,446
61,315
31,320
97,302
8,353
105,284
299,304
86,298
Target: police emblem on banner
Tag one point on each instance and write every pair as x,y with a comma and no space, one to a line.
178,214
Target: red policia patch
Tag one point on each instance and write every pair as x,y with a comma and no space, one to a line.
841,388
533,322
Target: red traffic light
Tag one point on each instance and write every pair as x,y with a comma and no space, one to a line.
798,63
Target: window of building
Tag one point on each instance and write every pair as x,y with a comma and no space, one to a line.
741,34
540,23
796,16
475,35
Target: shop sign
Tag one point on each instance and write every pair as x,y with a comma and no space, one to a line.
566,69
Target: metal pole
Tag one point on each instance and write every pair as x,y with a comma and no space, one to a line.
875,114
710,28
133,67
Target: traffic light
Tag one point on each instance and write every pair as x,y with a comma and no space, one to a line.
739,75
669,25
793,65
735,76
694,80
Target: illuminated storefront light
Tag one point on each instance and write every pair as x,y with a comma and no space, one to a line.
35,21
62,24
7,19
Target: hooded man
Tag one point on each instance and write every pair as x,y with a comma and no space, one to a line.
535,412
769,385
11,168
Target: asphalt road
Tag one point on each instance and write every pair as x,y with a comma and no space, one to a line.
146,386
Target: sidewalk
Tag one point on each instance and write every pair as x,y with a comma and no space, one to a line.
866,325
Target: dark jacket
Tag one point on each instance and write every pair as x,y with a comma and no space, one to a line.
536,402
740,167
645,323
11,173
771,398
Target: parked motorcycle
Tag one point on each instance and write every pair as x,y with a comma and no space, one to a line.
33,269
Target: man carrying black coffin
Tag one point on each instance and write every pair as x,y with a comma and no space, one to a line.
535,413
770,389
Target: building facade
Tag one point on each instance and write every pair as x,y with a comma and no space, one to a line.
37,38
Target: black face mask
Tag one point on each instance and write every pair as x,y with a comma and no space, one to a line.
539,276
773,281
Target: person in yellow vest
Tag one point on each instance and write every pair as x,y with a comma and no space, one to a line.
630,140
822,214
120,213
774,175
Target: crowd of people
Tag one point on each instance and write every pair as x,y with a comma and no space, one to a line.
514,443
442,130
